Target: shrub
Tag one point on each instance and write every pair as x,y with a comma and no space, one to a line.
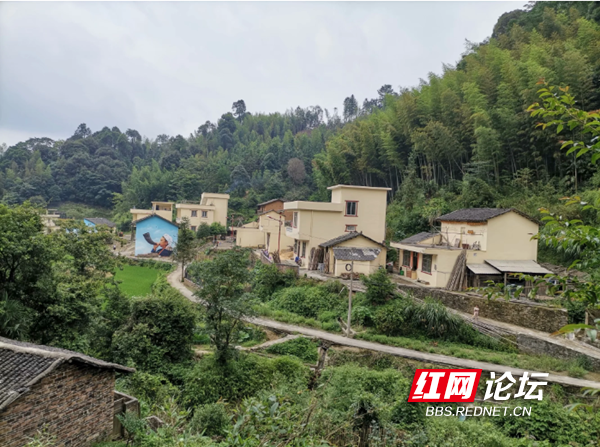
160,328
389,319
306,300
150,388
379,287
267,279
432,318
301,347
212,419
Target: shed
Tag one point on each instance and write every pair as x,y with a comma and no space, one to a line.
95,221
69,394
368,254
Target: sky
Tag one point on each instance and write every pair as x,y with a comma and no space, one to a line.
166,68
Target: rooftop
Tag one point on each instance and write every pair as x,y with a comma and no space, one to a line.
22,365
150,216
356,253
269,201
346,237
101,221
479,215
374,188
419,237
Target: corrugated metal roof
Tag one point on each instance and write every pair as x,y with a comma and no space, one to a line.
356,253
519,267
483,269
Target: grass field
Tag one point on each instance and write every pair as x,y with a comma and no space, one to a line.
136,281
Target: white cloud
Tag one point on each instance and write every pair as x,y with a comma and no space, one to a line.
169,67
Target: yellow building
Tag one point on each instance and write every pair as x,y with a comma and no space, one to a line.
352,209
49,219
367,254
211,208
162,209
497,242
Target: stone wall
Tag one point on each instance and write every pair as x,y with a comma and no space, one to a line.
531,316
74,403
534,345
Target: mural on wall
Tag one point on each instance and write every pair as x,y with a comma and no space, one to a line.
155,237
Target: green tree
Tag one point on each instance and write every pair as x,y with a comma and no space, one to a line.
224,291
185,250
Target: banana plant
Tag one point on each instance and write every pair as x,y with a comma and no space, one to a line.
591,331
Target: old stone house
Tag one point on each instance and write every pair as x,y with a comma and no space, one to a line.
68,395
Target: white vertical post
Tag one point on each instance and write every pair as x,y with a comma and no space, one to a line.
350,300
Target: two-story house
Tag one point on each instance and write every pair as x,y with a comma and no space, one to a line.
162,209
359,209
273,205
498,242
211,208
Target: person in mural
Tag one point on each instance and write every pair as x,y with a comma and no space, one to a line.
164,247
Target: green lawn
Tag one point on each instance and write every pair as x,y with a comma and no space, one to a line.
136,281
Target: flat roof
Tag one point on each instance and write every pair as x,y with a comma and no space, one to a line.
314,206
215,195
164,203
194,206
375,188
509,266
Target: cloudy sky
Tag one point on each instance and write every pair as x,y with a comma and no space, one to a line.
169,67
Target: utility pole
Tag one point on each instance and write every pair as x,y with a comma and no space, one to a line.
350,300
279,239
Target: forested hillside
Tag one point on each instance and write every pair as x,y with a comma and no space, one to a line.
462,138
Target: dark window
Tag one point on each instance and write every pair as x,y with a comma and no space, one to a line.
350,228
351,208
193,228
204,213
304,249
427,261
406,258
194,213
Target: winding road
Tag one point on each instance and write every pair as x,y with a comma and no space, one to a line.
438,359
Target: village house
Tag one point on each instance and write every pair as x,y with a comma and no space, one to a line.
274,205
211,208
97,221
359,209
366,254
497,244
162,209
155,236
65,394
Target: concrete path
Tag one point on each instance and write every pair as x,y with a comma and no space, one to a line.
437,359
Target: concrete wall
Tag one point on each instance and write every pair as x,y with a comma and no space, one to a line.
185,210
371,209
465,233
510,238
249,237
363,267
74,402
545,319
534,345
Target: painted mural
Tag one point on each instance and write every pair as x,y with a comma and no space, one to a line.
155,237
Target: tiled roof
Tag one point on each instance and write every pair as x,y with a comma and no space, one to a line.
24,364
346,237
269,201
149,216
479,215
356,253
101,221
417,238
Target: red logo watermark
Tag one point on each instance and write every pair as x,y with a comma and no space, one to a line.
444,385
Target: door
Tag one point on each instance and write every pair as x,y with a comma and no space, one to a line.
415,261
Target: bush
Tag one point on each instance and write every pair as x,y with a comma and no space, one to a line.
154,389
379,287
267,279
301,347
390,320
212,419
307,301
160,328
432,318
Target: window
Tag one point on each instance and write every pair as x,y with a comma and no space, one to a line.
194,213
193,228
350,228
427,261
406,258
303,249
295,220
351,208
205,214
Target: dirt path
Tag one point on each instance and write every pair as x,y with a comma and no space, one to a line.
437,359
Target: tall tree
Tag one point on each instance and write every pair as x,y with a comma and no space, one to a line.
185,250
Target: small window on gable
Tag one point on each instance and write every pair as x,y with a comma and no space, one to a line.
351,208
193,228
204,213
350,228
194,213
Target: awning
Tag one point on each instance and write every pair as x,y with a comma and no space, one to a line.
408,247
531,267
356,253
483,269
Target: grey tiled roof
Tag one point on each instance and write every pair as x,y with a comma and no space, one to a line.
346,237
356,253
269,201
24,364
417,238
101,221
479,215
